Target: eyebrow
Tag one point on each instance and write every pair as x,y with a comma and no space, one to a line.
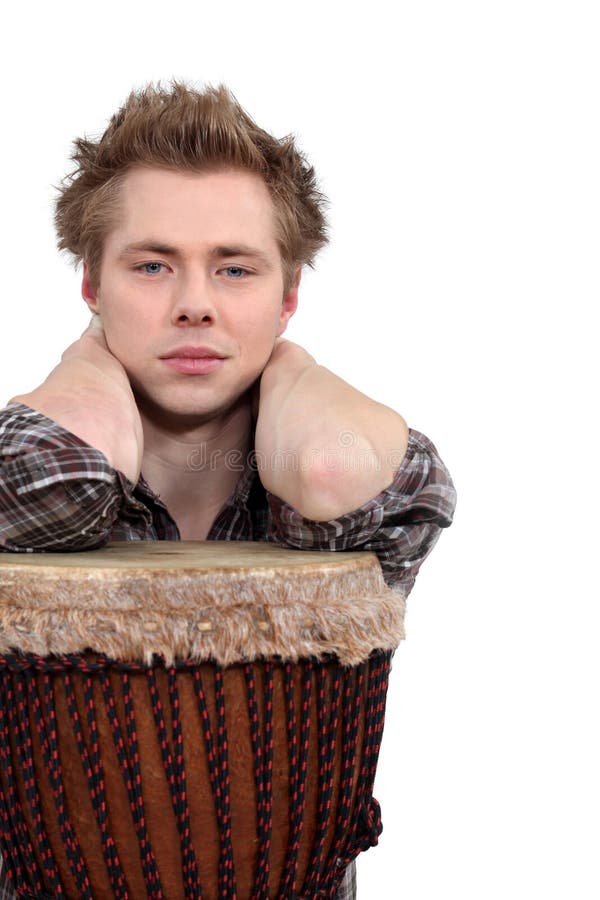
219,252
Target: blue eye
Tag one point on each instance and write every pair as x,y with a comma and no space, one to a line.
151,268
237,271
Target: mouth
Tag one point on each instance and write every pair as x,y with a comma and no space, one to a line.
189,352
194,365
194,360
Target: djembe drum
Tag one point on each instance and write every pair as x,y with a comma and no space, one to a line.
190,720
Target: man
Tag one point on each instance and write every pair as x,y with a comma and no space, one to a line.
181,412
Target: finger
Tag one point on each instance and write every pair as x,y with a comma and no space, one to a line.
95,321
95,331
255,399
94,325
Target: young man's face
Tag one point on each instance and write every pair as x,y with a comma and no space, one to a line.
192,270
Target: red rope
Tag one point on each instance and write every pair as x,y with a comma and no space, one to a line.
346,809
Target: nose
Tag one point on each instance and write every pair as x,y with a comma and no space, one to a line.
193,301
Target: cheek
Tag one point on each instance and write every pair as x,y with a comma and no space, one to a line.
125,340
116,323
263,324
126,324
258,337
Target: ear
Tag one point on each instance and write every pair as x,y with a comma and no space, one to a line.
87,292
289,304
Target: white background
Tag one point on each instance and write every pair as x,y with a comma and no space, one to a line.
458,143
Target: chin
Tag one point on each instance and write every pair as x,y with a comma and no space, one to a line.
188,410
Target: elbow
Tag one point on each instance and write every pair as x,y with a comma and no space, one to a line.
61,541
328,491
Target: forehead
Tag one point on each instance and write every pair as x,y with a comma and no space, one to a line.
188,209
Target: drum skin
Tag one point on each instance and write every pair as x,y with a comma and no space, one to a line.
185,777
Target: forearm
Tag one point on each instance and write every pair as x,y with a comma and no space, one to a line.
89,418
88,393
55,492
322,446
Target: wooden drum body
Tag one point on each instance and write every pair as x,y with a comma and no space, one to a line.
190,720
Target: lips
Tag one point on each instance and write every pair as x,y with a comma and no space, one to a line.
190,360
189,352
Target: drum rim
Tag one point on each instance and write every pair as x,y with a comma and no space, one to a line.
333,604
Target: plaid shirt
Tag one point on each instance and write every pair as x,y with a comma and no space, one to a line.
58,493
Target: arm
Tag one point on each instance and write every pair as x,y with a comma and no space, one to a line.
322,446
59,448
89,394
56,492
401,525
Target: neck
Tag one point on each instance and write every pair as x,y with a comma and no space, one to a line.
198,466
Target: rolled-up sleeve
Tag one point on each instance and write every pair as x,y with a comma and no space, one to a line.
401,524
56,492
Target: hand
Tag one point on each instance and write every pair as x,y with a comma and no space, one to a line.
285,363
306,416
276,431
89,394
289,358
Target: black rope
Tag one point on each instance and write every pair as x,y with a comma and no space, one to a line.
262,748
176,780
128,756
49,748
328,708
92,769
354,680
31,790
348,816
15,837
298,756
219,781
